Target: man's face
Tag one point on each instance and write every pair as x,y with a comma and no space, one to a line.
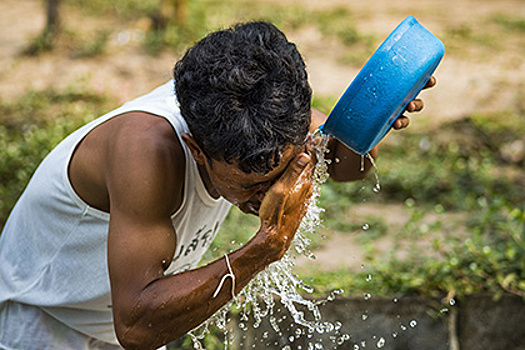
247,191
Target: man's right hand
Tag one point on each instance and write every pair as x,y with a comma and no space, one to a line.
285,205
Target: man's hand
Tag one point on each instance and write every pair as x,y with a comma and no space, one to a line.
413,106
285,204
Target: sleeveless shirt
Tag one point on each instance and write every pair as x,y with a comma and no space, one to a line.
53,249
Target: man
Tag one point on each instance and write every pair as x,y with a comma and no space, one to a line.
101,248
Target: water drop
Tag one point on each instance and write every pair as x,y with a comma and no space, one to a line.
356,347
368,296
394,334
413,323
337,160
364,316
452,301
403,327
380,343
443,310
377,188
366,226
368,278
395,300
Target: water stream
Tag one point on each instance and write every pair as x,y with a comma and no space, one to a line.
277,284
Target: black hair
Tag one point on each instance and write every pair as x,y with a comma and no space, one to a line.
244,94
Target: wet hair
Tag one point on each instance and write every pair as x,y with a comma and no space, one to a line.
245,96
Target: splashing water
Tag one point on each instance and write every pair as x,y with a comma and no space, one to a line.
277,282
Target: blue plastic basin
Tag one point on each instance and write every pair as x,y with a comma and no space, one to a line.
392,77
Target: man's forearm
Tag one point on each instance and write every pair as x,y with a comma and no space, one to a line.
345,164
170,307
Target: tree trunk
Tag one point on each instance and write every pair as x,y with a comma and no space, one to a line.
53,17
170,11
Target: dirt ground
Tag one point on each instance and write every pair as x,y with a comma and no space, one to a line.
469,83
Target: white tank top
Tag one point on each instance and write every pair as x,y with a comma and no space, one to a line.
53,249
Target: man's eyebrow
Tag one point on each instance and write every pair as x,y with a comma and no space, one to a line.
250,186
277,177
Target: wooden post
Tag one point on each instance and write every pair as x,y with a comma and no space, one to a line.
53,17
170,11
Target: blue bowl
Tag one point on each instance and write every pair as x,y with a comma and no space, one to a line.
393,76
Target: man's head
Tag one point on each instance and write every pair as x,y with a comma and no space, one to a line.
245,95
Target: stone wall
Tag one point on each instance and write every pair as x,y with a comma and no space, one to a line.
411,323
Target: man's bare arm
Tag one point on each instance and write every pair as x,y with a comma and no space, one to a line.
149,309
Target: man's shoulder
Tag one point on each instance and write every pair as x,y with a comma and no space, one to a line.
144,134
144,151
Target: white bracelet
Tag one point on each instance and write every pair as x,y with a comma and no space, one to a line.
231,275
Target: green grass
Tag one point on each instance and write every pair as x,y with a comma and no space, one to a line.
491,259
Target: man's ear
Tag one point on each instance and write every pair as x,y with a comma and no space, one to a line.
195,149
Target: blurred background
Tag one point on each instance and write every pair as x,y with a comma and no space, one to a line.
449,218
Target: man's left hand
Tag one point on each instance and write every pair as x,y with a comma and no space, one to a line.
413,106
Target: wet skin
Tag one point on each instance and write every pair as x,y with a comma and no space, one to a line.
133,166
244,190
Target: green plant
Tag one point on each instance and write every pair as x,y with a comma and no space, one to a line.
94,45
491,259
